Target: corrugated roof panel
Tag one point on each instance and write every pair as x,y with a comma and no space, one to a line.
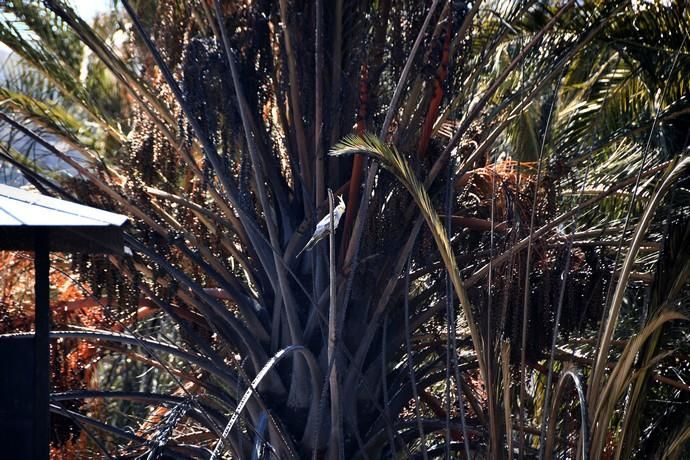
19,207
7,219
26,218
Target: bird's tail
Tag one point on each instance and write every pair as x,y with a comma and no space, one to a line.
300,252
307,247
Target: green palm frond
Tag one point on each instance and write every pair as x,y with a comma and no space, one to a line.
63,78
394,162
672,274
673,174
622,375
47,31
50,116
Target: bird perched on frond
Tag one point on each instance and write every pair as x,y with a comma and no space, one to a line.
323,228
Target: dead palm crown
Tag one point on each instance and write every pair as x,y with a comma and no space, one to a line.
509,272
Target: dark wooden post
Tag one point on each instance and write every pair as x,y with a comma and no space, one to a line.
42,347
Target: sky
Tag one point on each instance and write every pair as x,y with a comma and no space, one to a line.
87,9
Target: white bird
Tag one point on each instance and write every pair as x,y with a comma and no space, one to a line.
323,228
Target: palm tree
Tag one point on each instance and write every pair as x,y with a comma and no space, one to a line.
484,292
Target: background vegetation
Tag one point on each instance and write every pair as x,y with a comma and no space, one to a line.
509,278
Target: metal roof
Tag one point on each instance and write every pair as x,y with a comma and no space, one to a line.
71,227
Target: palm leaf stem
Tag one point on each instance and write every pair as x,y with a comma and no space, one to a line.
574,376
550,362
315,381
286,294
336,451
110,59
319,157
155,345
211,154
209,307
620,377
294,101
410,361
81,426
526,299
176,451
138,396
208,218
674,173
126,204
393,161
